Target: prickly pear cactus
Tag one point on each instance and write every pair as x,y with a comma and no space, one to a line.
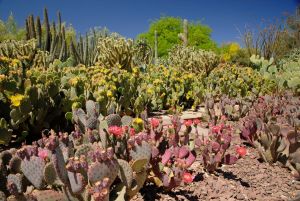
49,195
141,151
113,120
50,176
125,173
6,133
33,169
108,169
18,180
77,182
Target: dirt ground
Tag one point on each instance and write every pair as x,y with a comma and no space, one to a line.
248,179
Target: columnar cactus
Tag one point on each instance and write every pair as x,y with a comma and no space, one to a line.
184,36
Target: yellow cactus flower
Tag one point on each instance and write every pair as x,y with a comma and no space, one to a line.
76,105
73,81
2,77
16,99
15,62
226,57
134,70
4,59
190,75
109,93
156,81
234,48
150,91
114,87
138,121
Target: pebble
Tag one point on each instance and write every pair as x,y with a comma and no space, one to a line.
240,196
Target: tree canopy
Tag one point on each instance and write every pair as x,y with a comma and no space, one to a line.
168,28
10,30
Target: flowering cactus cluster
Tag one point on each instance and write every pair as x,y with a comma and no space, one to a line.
214,146
235,81
106,157
231,108
79,165
272,127
172,152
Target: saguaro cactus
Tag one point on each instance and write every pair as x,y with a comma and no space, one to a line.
155,48
184,36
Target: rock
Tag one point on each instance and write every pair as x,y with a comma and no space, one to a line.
240,196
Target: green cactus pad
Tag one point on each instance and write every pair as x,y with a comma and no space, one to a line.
5,157
91,122
113,120
80,118
18,180
103,135
6,133
49,174
83,149
66,151
32,93
25,106
60,165
98,171
15,114
138,183
33,170
125,173
69,116
126,120
19,198
103,124
77,182
91,108
2,196
142,151
139,165
49,195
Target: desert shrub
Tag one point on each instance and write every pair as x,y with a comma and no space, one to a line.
163,88
194,60
237,81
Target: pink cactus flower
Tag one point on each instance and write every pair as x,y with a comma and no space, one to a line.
116,131
188,123
187,177
196,121
125,128
241,151
223,118
43,154
171,126
155,122
132,132
216,129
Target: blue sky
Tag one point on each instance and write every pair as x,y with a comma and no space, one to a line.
131,17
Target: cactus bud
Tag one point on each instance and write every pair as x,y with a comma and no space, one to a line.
105,182
103,155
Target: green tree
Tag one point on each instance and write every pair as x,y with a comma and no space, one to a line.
9,30
168,28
